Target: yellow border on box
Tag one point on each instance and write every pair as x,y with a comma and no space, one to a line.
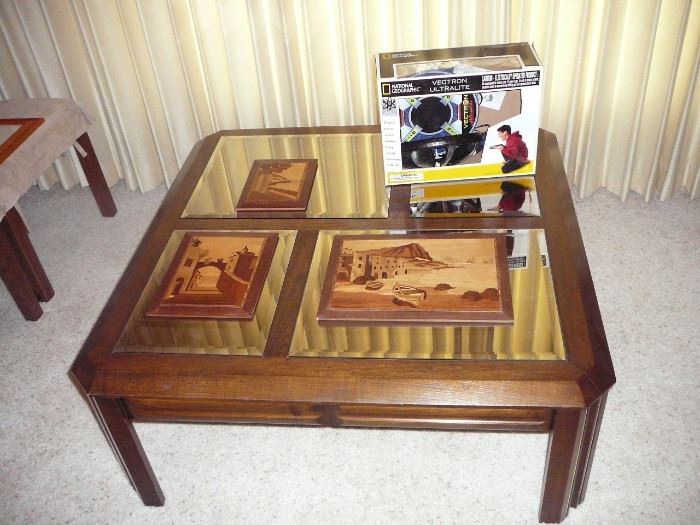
454,173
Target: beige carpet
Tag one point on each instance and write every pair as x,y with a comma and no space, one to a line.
56,466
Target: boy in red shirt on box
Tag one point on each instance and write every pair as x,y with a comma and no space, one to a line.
514,151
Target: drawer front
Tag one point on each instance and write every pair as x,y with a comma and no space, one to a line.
447,418
217,411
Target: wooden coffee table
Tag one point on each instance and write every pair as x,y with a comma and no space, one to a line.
548,372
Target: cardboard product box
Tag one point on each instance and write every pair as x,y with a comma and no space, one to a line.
441,109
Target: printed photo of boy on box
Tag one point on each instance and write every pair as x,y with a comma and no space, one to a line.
514,150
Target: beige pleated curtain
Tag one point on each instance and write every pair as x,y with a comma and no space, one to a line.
621,89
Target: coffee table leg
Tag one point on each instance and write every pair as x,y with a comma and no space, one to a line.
565,439
594,417
126,445
96,178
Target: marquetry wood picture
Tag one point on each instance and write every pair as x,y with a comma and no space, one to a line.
278,185
215,275
417,278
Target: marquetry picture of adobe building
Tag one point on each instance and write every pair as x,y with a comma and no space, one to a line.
370,265
215,275
417,277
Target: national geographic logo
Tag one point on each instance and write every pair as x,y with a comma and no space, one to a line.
392,89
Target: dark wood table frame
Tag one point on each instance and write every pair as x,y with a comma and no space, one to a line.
564,398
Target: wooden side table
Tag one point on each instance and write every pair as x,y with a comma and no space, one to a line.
35,133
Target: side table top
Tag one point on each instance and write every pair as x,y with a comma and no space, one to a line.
62,122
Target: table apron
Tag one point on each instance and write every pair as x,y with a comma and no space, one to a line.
341,415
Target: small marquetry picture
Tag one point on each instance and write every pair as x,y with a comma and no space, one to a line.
428,278
278,185
215,275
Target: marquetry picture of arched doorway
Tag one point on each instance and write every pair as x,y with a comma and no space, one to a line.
215,275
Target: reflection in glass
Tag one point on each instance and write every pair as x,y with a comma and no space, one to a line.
348,181
512,197
192,336
535,334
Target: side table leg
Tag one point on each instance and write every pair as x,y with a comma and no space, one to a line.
24,251
96,178
126,445
565,439
15,278
594,417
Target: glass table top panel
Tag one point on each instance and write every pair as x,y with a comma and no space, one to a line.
195,336
534,335
348,182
